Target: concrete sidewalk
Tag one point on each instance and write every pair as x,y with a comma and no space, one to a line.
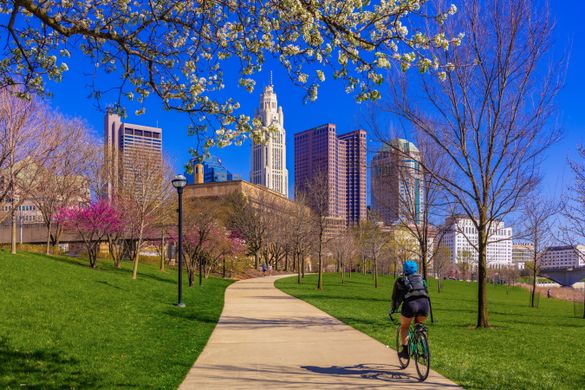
268,339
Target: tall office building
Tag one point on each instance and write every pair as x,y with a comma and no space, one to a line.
126,148
343,160
397,191
356,171
461,239
268,165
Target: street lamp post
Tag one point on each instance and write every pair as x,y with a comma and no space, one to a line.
179,182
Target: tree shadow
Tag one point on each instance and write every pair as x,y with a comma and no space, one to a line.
41,369
191,315
308,297
106,283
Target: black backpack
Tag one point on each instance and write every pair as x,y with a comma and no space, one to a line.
415,287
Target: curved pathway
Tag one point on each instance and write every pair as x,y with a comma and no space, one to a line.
268,339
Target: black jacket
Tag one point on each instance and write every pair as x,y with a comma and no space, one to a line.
402,287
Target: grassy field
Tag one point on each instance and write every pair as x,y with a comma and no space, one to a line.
63,325
526,348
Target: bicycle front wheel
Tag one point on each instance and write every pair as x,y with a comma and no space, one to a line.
422,356
403,362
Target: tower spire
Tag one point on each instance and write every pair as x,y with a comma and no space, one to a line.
271,79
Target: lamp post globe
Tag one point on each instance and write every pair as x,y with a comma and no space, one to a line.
179,182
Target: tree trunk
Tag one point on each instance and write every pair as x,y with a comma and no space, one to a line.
350,267
200,270
48,249
423,260
482,305
584,303
375,263
191,276
298,260
223,271
13,228
137,252
533,292
320,277
162,252
256,260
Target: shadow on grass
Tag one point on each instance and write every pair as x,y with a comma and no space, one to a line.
106,283
40,369
190,315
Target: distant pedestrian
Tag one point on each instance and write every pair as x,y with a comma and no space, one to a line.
263,269
270,269
548,293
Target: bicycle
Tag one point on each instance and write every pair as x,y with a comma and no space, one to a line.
418,348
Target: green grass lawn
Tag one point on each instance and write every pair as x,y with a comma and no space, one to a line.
64,325
526,348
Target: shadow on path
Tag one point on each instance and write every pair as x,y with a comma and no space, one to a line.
379,372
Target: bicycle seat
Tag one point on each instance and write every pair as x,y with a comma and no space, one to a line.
420,327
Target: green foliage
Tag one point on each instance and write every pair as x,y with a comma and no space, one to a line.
64,325
526,348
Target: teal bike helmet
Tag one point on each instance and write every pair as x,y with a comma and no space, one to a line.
410,267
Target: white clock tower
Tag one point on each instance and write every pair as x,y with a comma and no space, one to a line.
268,167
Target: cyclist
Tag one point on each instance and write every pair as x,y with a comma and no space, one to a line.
411,291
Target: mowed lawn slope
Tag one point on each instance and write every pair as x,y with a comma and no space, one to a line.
526,348
64,325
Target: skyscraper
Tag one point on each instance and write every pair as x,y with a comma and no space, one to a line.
268,165
397,183
356,170
343,161
125,145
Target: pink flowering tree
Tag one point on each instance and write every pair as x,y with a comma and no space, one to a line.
92,223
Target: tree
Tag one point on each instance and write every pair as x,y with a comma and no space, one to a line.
62,180
489,115
178,50
343,248
299,233
92,223
441,262
465,263
27,142
373,242
203,234
316,194
144,190
537,216
573,207
421,200
250,221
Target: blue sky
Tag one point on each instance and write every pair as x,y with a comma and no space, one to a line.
333,105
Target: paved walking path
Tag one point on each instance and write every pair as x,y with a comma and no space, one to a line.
268,339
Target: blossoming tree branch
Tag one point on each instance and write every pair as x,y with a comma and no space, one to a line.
178,49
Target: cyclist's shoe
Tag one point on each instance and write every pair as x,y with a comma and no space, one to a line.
403,354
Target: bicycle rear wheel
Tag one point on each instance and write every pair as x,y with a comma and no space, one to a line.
403,362
422,356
